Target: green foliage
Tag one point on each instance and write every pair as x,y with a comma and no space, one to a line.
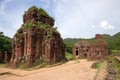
116,66
69,43
33,8
55,32
49,36
5,43
97,64
40,11
27,25
68,55
101,67
46,27
113,42
34,24
114,51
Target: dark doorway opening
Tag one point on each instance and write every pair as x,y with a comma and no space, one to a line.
85,55
76,51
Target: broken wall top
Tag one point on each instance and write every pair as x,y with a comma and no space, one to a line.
35,14
99,41
82,43
36,19
98,36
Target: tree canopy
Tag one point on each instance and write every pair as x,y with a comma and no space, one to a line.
5,42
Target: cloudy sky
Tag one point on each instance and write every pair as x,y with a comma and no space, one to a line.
73,18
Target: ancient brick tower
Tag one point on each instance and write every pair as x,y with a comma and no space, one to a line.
37,40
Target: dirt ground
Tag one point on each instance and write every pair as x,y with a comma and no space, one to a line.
72,70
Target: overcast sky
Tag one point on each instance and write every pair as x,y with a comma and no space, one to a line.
73,18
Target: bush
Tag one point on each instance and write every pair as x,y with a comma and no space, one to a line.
68,55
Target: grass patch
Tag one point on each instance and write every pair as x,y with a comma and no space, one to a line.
102,66
4,64
68,55
40,64
96,65
116,66
114,51
36,65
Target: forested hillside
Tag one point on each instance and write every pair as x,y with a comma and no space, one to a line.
5,42
113,42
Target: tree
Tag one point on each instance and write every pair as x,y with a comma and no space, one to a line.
5,43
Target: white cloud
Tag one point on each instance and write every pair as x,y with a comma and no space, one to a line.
76,18
73,18
11,21
93,26
45,3
3,5
106,25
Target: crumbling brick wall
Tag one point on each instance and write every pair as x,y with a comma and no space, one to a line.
97,50
37,40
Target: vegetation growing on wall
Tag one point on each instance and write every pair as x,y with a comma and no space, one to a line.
41,12
115,65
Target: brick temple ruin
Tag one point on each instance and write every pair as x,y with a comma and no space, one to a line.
97,50
5,56
37,40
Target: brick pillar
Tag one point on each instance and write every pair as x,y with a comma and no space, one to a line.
5,56
0,56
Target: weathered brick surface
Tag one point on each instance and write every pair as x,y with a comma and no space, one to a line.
37,42
97,50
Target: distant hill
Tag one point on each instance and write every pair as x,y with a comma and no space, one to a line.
117,35
116,41
5,43
113,41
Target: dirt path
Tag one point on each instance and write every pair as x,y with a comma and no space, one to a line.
72,70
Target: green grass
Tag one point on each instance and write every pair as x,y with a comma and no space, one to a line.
101,66
114,51
68,55
4,64
97,65
35,65
40,64
41,12
116,66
